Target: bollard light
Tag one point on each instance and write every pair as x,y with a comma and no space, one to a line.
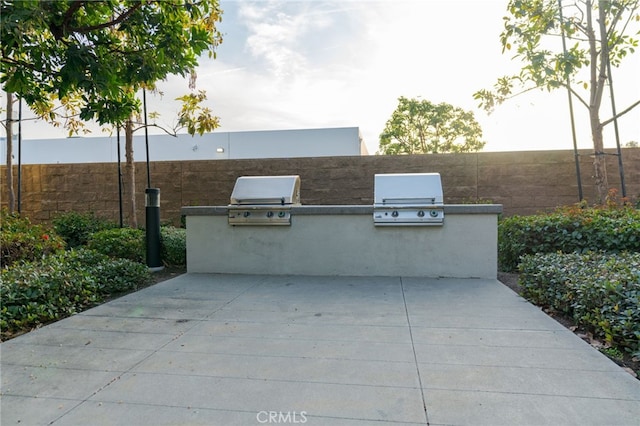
152,206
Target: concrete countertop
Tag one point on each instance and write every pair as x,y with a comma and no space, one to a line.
345,209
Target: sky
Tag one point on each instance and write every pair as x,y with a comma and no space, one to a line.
316,63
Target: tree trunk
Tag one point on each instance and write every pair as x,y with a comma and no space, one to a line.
130,170
599,58
599,160
9,130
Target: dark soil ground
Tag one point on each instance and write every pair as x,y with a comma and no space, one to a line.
166,274
629,363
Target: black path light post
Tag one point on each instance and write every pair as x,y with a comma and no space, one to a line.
152,207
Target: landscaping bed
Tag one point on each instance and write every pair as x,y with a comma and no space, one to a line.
582,266
631,363
79,261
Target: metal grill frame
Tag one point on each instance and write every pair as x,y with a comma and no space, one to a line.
264,200
399,200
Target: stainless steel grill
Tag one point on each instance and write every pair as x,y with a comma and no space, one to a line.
264,200
408,199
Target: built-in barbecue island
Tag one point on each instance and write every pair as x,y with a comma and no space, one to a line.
408,231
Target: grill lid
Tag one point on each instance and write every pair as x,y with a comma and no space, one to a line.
408,189
266,190
264,200
408,199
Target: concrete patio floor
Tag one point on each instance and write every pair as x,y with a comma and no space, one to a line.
250,349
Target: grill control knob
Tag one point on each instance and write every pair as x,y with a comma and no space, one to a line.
433,213
420,213
246,214
269,214
281,214
394,213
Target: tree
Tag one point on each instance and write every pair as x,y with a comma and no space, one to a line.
597,33
101,52
8,125
421,127
192,116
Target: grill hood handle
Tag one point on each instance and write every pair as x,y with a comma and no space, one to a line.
409,200
262,201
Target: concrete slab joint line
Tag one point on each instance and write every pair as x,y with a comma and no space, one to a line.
413,348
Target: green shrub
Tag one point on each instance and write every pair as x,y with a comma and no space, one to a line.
568,230
121,275
20,240
601,291
38,292
174,246
76,228
112,275
125,243
34,293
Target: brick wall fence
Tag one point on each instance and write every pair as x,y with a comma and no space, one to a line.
524,182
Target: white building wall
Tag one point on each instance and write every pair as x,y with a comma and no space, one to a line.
343,141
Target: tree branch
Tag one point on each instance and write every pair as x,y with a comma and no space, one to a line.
617,17
75,6
577,95
11,61
171,132
119,19
621,113
603,58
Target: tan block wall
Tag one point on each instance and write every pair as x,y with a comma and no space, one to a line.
523,182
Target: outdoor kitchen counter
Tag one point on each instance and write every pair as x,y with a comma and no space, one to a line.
343,240
346,210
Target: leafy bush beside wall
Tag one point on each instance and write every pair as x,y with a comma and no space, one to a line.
174,246
601,291
20,240
568,230
124,243
127,243
60,285
76,228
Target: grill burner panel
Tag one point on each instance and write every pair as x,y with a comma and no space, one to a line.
263,215
408,216
264,200
408,199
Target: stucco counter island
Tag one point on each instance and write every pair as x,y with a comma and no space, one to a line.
342,240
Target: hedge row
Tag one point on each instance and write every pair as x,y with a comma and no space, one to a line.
568,230
601,291
77,228
130,244
124,243
41,282
86,229
63,284
20,240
